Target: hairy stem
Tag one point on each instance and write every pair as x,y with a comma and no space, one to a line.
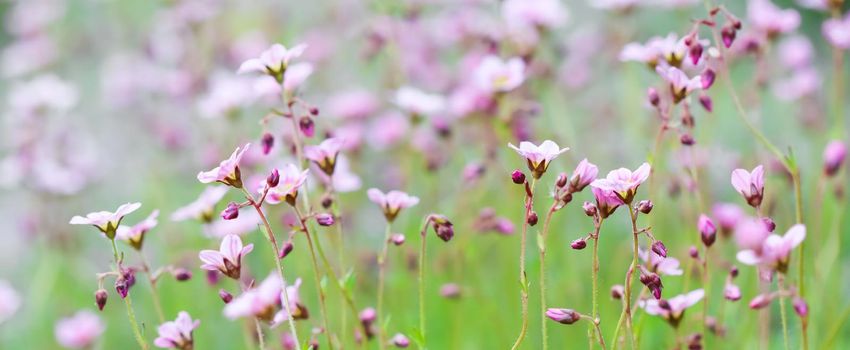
542,246
523,279
128,303
156,302
422,237
316,275
382,272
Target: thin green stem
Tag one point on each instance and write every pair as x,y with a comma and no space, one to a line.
382,272
156,302
542,246
316,275
782,310
523,279
260,341
423,239
128,303
595,279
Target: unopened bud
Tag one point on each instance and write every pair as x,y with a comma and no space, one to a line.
285,250
562,180
267,142
687,140
314,110
100,297
731,292
659,248
325,219
727,34
274,178
397,239
801,307
733,271
368,315
230,212
645,206
707,77
563,316
225,296
532,218
617,291
693,252
182,274
769,224
654,98
589,209
327,201
400,341
518,177
308,128
706,102
578,244
760,301
707,230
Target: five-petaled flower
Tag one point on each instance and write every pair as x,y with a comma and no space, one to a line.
583,175
672,309
227,172
135,235
228,259
391,202
202,208
291,180
538,157
623,182
495,75
274,61
105,221
775,250
177,334
749,184
324,155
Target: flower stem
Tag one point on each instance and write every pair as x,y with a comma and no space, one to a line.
782,310
542,246
156,302
382,271
523,280
626,315
423,237
128,303
595,279
316,275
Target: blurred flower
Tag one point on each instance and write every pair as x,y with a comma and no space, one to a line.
776,250
274,61
749,184
227,94
583,175
419,103
105,221
228,170
495,75
296,75
833,157
79,331
400,341
291,179
750,233
259,302
354,104
177,334
837,32
623,182
228,259
672,309
135,235
614,5
656,263
203,207
670,48
27,55
44,93
770,19
680,85
728,215
796,51
538,157
534,13
391,202
9,301
324,155
450,290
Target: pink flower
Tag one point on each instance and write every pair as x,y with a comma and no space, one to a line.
79,331
392,202
9,301
672,309
227,172
606,201
228,259
273,61
775,251
296,75
177,334
583,175
770,19
837,32
534,13
623,182
749,184
135,235
495,75
343,179
419,103
670,48
299,311
833,157
355,104
203,207
105,221
796,52
656,263
291,179
260,302
680,85
324,155
728,215
538,157
750,233
707,230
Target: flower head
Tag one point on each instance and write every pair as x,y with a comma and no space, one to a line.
538,157
656,263
177,334
228,259
606,201
79,331
274,61
672,309
391,202
419,103
495,75
227,172
776,250
680,84
623,182
291,180
260,302
833,157
837,32
770,19
325,154
749,184
203,207
583,175
135,235
105,221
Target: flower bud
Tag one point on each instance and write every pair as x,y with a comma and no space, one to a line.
833,157
769,224
561,181
182,274
121,287
760,301
327,201
687,139
652,95
314,111
267,142
706,102
231,211
801,307
518,177
443,228
100,297
274,178
578,244
645,206
707,78
695,52
368,316
589,209
400,341
450,291
693,252
285,250
659,248
397,239
213,277
707,230
532,218
308,128
727,34
563,316
653,282
617,291
731,292
225,296
733,271
325,219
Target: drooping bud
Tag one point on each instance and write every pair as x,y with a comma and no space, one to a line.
121,287
801,307
325,219
706,103
707,230
285,250
589,209
273,179
181,274
100,297
645,206
833,157
443,227
659,248
518,177
561,181
760,301
532,218
225,296
400,341
267,142
707,78
314,111
617,291
731,292
308,128
769,224
563,316
397,239
653,282
687,140
695,52
727,34
652,95
231,211
578,244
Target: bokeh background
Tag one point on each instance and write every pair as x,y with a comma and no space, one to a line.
106,102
